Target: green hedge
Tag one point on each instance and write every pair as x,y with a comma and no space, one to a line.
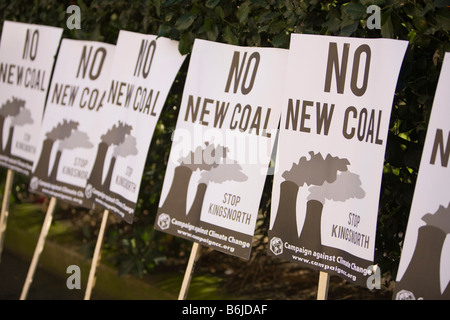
265,23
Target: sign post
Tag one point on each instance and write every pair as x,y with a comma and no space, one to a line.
193,257
5,207
39,247
96,257
322,290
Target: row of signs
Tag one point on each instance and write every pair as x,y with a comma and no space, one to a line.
326,102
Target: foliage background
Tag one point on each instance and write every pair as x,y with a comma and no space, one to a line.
137,248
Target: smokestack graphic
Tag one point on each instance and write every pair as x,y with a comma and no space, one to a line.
114,136
193,216
315,171
52,176
127,148
77,139
422,276
10,108
23,118
285,221
219,174
201,159
61,131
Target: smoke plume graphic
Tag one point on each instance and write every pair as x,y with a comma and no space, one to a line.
202,158
23,118
316,170
77,139
223,172
346,186
329,179
115,136
126,148
11,108
62,130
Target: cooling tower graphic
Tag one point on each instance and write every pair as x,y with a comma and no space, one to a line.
123,150
202,158
20,116
286,224
113,137
60,132
328,179
422,276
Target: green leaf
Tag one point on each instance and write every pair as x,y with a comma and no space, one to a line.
387,29
355,11
164,30
219,12
277,26
213,33
157,4
185,45
443,18
348,29
243,11
171,2
333,24
281,40
185,21
229,37
367,3
207,23
212,3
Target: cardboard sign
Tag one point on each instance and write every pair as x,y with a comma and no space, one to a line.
222,145
329,162
143,71
27,54
75,107
424,270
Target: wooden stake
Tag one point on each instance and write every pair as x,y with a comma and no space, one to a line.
39,247
322,290
5,208
96,257
195,254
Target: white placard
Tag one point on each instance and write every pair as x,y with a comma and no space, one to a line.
222,145
424,270
142,74
75,107
332,140
27,55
